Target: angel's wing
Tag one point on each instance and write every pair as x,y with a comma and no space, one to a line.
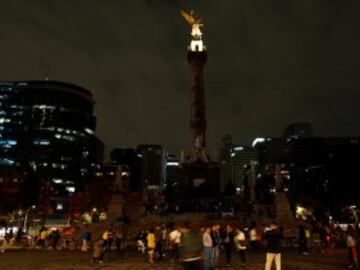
189,18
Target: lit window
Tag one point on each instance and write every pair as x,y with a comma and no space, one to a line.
70,189
172,163
57,181
41,142
6,161
4,120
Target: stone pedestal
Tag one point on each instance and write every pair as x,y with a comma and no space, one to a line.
284,216
116,207
201,180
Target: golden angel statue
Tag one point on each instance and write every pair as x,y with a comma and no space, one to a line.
195,22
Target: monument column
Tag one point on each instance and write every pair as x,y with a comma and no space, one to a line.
200,175
197,57
197,60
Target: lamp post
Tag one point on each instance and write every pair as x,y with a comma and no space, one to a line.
26,217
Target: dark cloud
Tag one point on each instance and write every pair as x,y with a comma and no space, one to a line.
270,63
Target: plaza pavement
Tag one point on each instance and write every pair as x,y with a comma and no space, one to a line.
74,260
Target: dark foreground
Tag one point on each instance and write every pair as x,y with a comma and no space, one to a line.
66,260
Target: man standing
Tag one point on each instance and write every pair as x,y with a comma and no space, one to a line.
228,242
191,247
208,253
55,238
215,237
273,251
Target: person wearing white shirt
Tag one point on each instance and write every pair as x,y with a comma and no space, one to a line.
240,244
208,252
174,238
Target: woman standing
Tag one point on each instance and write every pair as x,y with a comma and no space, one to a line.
240,245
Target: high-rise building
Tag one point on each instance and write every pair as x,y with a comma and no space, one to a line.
316,168
47,139
235,162
173,175
130,162
241,158
152,166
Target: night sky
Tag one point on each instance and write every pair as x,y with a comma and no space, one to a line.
270,63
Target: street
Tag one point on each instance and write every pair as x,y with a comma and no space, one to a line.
67,260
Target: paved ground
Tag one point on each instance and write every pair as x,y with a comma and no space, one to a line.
68,260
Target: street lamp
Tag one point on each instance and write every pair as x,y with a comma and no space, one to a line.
26,217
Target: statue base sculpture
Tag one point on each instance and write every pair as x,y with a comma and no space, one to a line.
201,180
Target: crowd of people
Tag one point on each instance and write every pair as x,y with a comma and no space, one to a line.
194,247
198,247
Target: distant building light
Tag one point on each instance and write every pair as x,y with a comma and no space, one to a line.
238,148
57,181
153,187
90,131
172,163
233,154
57,136
68,138
44,107
59,206
258,140
12,142
41,142
4,120
70,189
7,161
139,155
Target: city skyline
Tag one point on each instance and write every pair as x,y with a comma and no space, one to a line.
269,65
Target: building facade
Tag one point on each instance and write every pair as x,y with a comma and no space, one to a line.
47,139
152,166
313,169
